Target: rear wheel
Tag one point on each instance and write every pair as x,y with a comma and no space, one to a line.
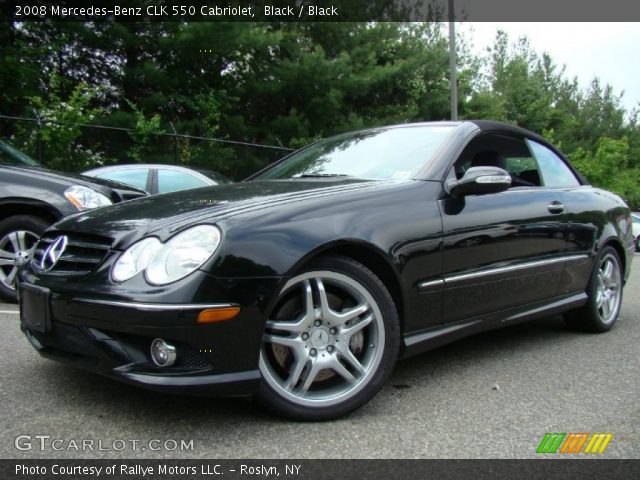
18,238
330,343
605,295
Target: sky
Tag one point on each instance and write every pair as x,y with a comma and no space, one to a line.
609,51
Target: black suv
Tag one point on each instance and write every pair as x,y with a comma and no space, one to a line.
32,198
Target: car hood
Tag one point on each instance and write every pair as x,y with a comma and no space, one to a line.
164,214
65,179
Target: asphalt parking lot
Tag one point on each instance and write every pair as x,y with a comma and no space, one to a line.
490,396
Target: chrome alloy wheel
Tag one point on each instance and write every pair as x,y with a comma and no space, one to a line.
609,289
16,248
324,340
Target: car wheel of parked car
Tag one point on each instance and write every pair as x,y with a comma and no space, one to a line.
18,238
638,244
330,343
605,295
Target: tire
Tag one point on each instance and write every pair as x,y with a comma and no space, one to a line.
331,341
638,244
600,312
18,237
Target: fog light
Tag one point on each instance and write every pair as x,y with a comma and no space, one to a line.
162,353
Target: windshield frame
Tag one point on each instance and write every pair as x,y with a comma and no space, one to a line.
419,174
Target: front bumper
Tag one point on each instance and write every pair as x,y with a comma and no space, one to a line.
112,337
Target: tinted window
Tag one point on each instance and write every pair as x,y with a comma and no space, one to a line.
502,151
136,177
380,154
555,172
174,180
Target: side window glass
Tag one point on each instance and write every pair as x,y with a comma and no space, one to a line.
136,177
502,151
174,180
555,173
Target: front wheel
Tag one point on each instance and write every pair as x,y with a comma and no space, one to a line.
18,238
330,343
601,311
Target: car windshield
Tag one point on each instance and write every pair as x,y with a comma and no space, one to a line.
12,156
385,153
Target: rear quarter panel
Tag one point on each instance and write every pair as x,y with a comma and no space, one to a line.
596,218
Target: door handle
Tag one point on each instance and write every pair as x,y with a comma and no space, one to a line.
556,207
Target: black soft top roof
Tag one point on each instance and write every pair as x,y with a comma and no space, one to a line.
493,126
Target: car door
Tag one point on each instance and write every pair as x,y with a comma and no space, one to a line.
504,249
584,215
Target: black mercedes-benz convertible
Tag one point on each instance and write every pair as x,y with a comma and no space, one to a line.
304,284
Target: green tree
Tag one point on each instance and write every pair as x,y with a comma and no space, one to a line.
60,127
144,133
285,84
609,168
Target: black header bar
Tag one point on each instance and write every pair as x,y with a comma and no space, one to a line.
543,469
320,10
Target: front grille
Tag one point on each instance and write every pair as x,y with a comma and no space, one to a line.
71,339
191,359
102,345
82,255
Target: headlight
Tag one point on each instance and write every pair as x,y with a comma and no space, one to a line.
183,254
135,259
84,198
176,259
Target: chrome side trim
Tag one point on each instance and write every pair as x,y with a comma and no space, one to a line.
416,338
575,300
441,335
422,286
513,268
430,284
156,307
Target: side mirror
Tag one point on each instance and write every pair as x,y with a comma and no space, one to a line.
479,181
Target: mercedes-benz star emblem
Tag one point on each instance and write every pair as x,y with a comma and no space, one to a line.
53,253
320,338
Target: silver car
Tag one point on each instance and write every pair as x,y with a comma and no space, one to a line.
155,179
636,229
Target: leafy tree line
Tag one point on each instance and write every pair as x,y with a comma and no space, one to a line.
286,84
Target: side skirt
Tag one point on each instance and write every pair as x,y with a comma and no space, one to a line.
416,343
